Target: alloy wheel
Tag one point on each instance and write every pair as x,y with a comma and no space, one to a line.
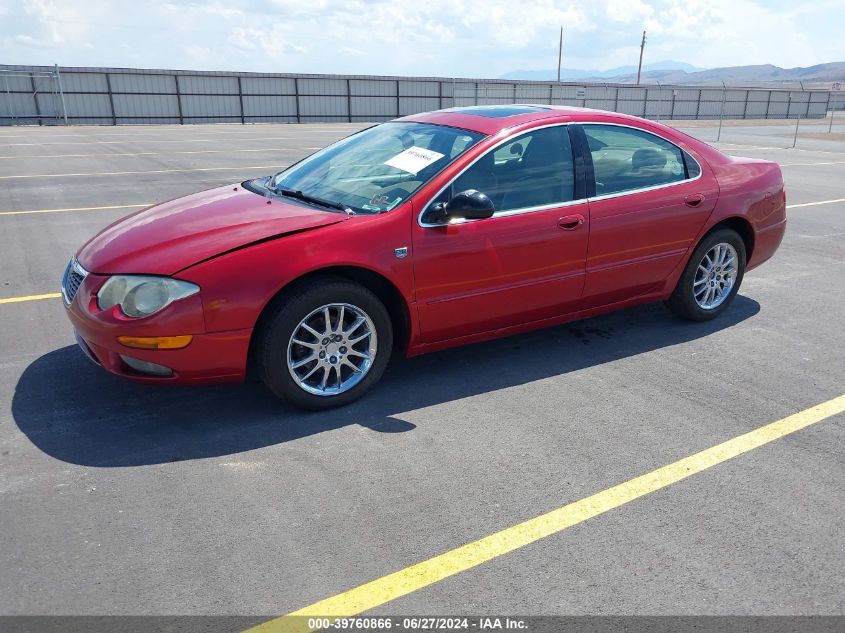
332,349
715,276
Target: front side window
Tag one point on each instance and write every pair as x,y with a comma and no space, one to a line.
534,169
626,158
378,169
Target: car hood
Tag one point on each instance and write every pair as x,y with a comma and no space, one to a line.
168,237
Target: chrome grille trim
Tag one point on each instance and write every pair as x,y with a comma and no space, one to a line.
72,280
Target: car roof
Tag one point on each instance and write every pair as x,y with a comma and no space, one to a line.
494,118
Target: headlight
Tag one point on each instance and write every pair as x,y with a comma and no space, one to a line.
140,296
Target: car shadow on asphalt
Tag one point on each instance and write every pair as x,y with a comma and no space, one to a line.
75,412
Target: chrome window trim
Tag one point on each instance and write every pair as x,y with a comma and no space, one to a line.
619,194
500,214
558,205
626,192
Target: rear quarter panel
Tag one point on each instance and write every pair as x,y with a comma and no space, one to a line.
754,191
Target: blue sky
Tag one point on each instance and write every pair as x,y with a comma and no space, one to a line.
417,37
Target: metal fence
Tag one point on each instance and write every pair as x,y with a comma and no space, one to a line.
32,96
113,96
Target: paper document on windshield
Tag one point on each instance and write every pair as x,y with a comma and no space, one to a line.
414,159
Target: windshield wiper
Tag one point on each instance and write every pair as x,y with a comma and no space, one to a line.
298,195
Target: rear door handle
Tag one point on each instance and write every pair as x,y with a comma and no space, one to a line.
570,222
693,200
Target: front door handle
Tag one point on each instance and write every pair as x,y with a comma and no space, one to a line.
693,200
570,222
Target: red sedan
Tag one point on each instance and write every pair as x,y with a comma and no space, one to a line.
426,232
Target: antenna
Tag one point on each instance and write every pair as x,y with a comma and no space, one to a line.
640,67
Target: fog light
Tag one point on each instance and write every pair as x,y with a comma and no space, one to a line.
144,367
156,342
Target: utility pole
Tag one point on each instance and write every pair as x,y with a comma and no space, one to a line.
640,67
559,54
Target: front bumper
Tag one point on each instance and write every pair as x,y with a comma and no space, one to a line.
211,357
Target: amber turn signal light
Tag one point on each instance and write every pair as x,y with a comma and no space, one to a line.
156,342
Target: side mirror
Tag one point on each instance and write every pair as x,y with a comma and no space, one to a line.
467,205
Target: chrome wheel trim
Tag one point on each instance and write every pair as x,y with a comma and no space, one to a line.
715,276
332,349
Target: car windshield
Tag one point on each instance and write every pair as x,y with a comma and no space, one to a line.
375,170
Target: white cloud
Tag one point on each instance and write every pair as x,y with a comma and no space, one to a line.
29,41
628,11
422,37
353,51
57,23
273,41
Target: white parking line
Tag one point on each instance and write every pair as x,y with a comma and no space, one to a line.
152,171
813,204
115,206
741,146
833,162
171,140
784,149
199,151
240,129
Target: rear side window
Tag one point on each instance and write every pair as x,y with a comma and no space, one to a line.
693,168
533,170
625,159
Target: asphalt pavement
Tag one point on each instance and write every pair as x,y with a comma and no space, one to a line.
127,499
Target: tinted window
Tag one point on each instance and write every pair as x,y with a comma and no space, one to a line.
625,158
460,145
693,168
497,111
379,168
535,169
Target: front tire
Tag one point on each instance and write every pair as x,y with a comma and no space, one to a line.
325,344
712,277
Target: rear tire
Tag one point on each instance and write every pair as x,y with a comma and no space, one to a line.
325,344
712,277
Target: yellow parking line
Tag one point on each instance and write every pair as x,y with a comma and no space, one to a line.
52,295
405,581
151,171
115,206
200,151
147,204
813,204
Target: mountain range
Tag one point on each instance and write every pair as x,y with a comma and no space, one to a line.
672,72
